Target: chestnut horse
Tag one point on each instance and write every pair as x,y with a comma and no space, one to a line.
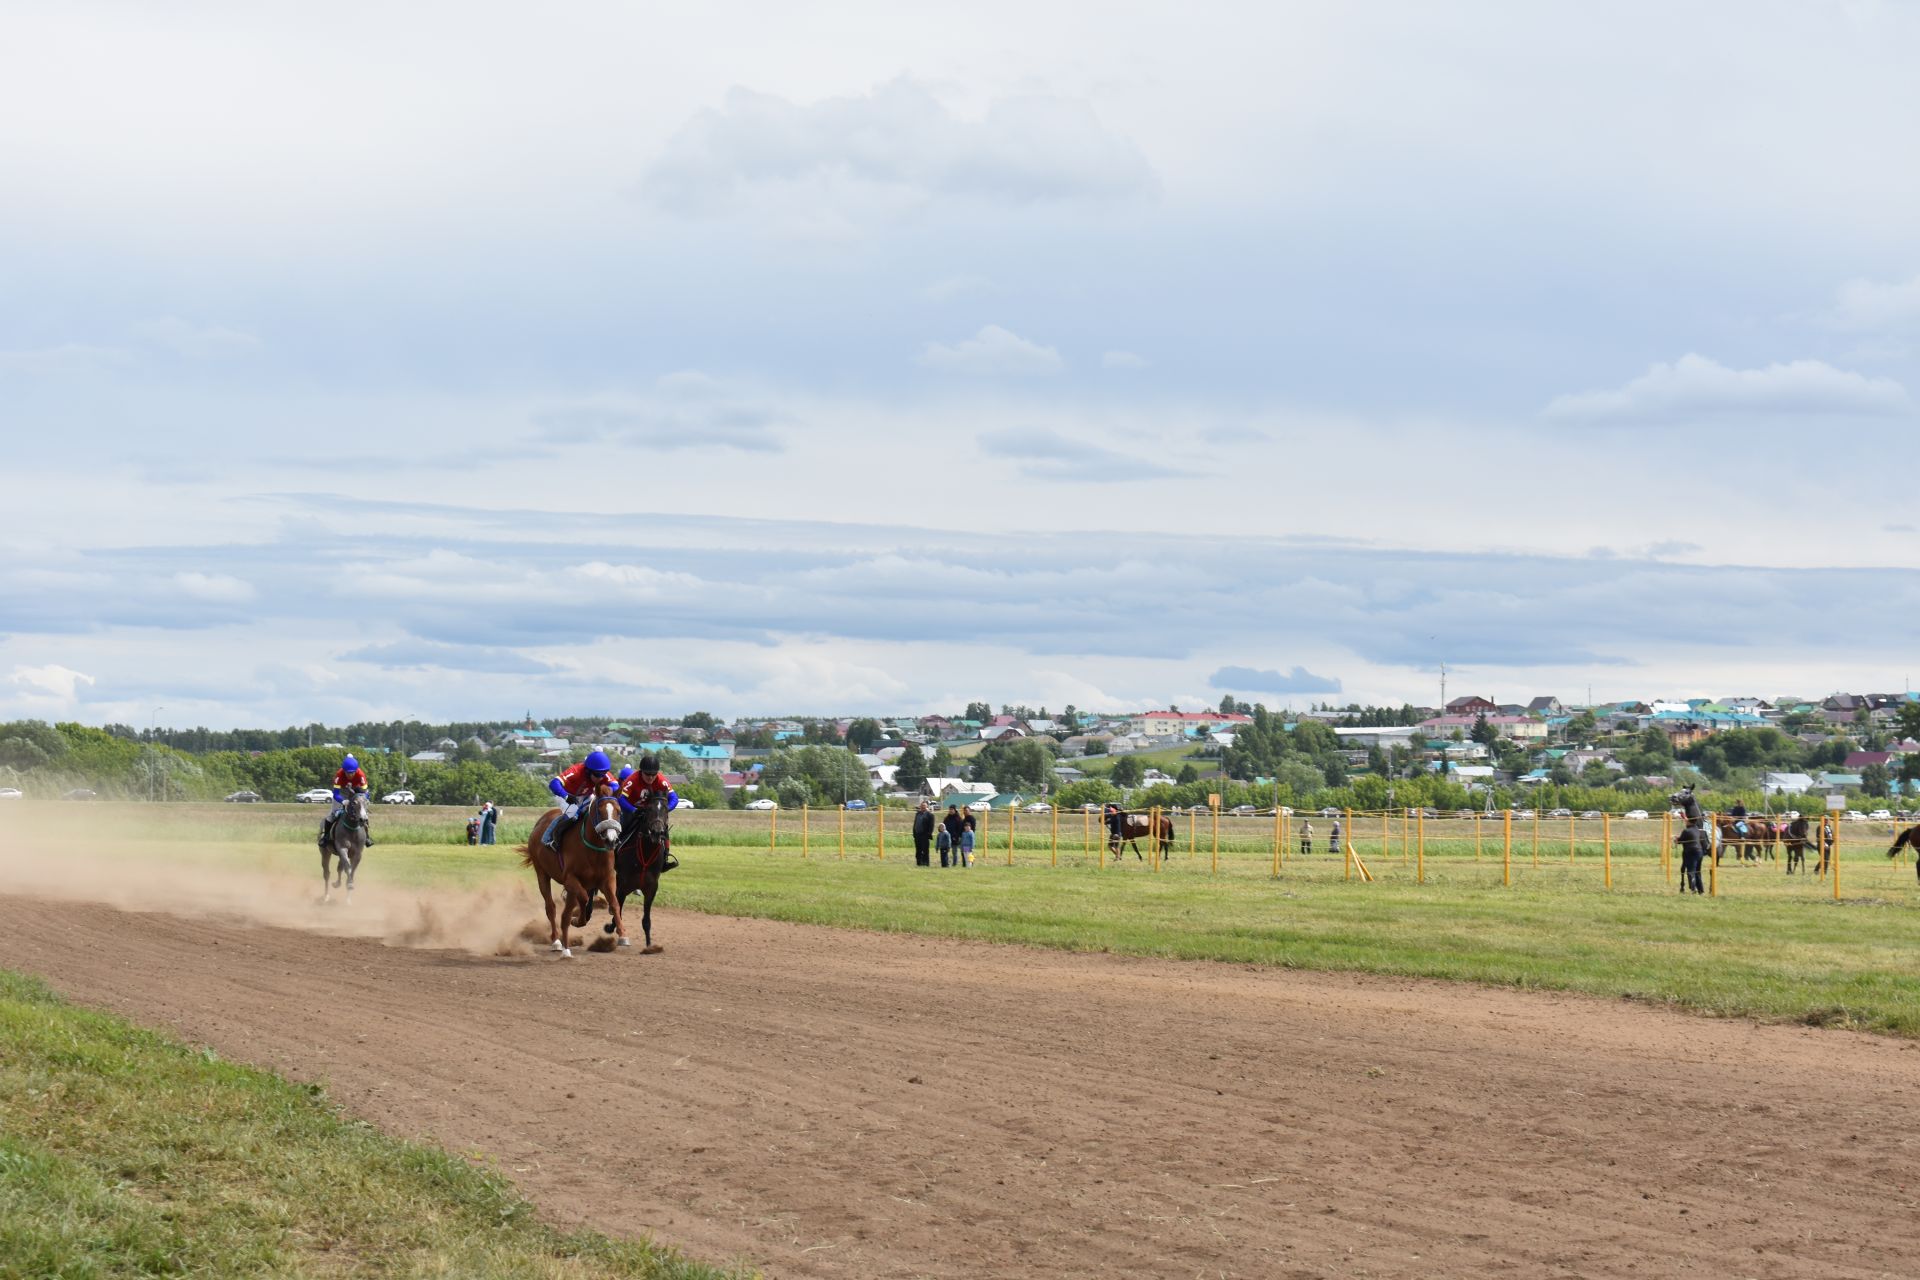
1758,838
644,851
1908,839
583,866
1136,826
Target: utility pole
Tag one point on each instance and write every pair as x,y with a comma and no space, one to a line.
152,718
1443,688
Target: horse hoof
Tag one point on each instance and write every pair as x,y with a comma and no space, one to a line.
556,945
653,950
566,953
625,942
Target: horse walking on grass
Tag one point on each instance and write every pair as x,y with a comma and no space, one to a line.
1908,839
1134,827
582,865
347,840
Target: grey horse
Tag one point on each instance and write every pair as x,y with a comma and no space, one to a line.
347,841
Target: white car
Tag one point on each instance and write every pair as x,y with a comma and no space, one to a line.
397,797
685,804
1881,815
1039,806
317,795
980,806
1854,815
762,804
1635,815
9,793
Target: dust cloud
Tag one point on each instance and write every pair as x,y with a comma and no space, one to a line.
65,865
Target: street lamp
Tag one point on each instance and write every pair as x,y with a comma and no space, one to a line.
152,717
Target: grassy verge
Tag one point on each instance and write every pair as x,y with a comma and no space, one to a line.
123,1153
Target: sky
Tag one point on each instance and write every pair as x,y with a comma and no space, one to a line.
451,361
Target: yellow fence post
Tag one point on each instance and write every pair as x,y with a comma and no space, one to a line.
1569,837
1713,873
1476,837
1606,846
1406,833
1103,846
1536,836
1278,834
1086,834
842,811
1835,819
1193,831
1010,826
880,830
806,848
1506,847
1216,838
1054,856
1386,846
773,826
1346,841
1154,856
1420,856
1666,846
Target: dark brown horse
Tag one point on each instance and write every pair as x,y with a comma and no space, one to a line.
582,865
1908,839
645,850
1134,827
1758,838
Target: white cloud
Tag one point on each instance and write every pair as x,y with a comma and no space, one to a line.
67,357
217,588
1694,386
1871,304
992,351
898,145
1122,360
52,682
955,287
196,341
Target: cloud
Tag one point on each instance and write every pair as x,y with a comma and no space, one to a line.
1250,679
67,357
685,410
51,682
415,654
992,351
1696,387
1049,455
898,145
955,287
217,588
1871,304
1122,360
196,341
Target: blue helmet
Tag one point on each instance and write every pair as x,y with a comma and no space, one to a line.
626,771
349,764
597,762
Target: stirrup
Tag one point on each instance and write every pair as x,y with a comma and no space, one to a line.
669,864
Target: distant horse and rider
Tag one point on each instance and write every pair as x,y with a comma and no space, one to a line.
580,859
645,849
1751,838
344,838
1128,828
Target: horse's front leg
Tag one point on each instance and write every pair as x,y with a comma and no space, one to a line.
326,877
553,923
611,889
649,886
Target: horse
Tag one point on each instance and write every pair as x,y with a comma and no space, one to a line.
346,840
1689,807
1758,838
1908,839
582,867
1798,837
1135,825
644,851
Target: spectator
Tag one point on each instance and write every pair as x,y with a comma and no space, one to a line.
1333,837
489,819
966,839
951,827
1306,839
923,835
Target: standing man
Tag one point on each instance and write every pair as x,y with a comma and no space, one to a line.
1333,837
1306,839
489,817
953,825
923,835
1696,846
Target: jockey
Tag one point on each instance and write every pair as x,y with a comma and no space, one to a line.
637,785
574,786
348,777
1739,815
641,785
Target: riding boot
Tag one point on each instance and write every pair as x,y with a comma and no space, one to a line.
366,830
326,833
557,829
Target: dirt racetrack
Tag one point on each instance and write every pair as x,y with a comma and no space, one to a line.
826,1103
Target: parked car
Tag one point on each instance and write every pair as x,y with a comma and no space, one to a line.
9,793
1523,813
1329,812
1592,815
81,793
1244,810
762,803
1286,811
1854,815
1089,808
244,797
1559,813
980,806
685,804
1039,806
1881,815
397,797
315,795
1635,815
856,804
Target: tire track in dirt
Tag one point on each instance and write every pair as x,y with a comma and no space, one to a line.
829,1103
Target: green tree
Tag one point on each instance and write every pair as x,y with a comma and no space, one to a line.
699,720
1187,774
1096,746
1483,733
1127,772
940,763
1873,781
982,711
1022,765
1908,720
912,771
863,733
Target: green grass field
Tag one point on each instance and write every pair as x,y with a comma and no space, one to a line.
123,1153
1768,946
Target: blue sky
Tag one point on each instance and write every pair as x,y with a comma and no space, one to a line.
469,358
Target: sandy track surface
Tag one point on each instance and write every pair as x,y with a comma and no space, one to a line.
825,1103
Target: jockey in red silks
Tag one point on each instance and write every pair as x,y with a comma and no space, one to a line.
647,781
573,787
349,777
